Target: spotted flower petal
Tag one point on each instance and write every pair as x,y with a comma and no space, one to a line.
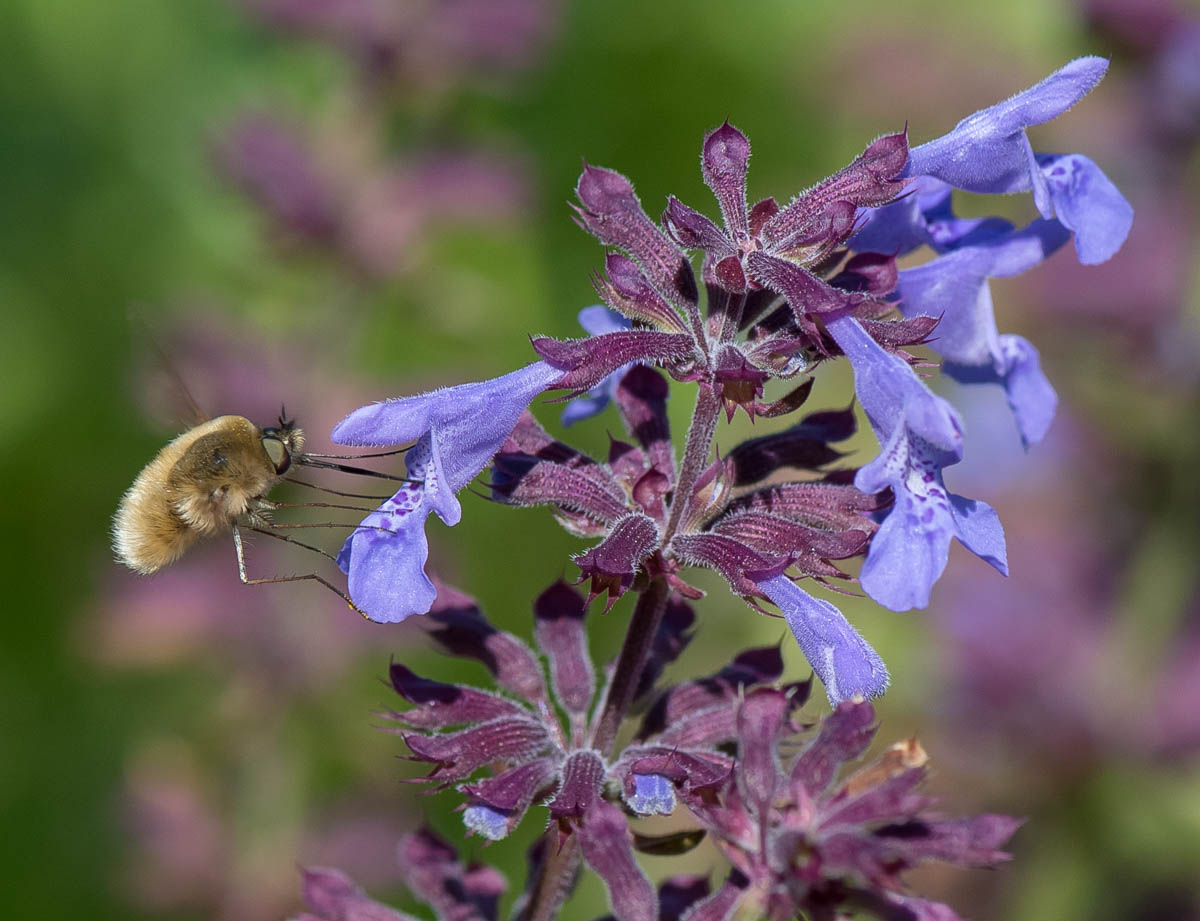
384,558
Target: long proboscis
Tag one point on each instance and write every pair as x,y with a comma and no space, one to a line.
306,461
334,492
354,456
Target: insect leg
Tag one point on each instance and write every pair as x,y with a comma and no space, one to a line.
311,576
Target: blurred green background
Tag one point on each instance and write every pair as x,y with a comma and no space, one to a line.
172,748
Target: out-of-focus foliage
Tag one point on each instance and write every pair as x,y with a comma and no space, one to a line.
322,213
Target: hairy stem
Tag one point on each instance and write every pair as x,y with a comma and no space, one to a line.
695,455
557,872
643,625
555,876
731,318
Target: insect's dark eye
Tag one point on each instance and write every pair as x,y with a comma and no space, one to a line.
277,451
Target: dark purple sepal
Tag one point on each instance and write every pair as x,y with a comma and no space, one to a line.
457,755
896,334
804,446
614,562
701,728
528,437
457,625
834,506
867,181
559,629
580,788
742,567
723,904
789,352
674,633
521,479
642,401
677,894
334,896
731,276
809,548
868,273
724,161
762,719
740,381
806,293
752,667
612,213
890,799
691,771
844,735
586,362
514,789
608,849
437,705
692,230
455,892
627,291
975,841
789,403
507,796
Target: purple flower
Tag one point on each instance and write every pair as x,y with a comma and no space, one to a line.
597,320
456,430
954,286
920,434
843,660
989,152
808,837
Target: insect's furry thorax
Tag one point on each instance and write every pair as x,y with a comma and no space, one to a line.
196,486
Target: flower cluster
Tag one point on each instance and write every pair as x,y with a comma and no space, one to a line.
787,288
801,833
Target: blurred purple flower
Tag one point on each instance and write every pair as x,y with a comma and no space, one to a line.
277,170
321,191
425,45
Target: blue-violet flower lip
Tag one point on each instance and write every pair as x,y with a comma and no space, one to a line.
457,430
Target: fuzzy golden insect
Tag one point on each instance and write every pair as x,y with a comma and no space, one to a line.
199,485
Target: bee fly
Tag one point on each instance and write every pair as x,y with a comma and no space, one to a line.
215,478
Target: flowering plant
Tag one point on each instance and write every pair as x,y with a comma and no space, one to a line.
789,288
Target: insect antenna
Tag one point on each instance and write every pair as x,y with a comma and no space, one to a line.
334,492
